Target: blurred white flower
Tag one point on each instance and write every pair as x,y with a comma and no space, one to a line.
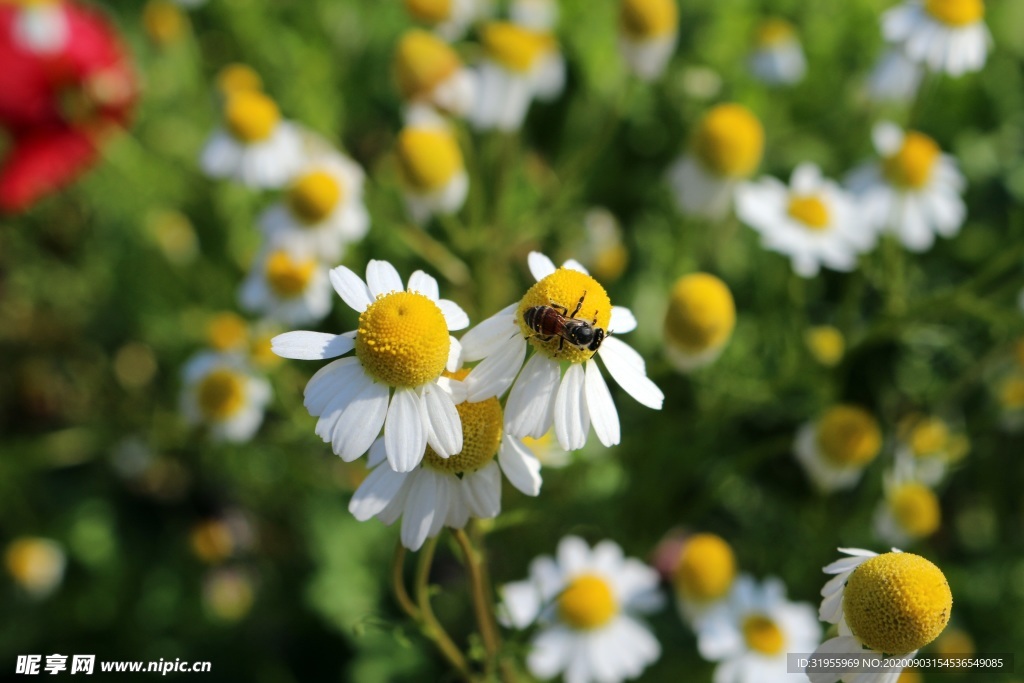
909,510
431,166
703,574
699,321
287,283
835,448
778,57
648,32
448,18
946,35
895,78
222,393
35,564
430,71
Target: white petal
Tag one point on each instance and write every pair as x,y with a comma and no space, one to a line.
571,419
531,403
375,493
443,419
623,369
454,355
622,320
382,278
328,381
421,507
424,284
521,602
310,345
405,433
540,265
603,415
496,372
573,264
520,465
454,388
483,491
359,424
550,652
453,315
342,395
888,138
482,340
350,287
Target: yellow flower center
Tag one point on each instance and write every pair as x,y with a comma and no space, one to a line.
642,19
236,78
429,11
912,166
701,313
251,116
562,290
706,568
314,195
897,602
514,47
423,62
227,332
916,509
163,21
288,277
929,437
956,12
587,603
403,339
729,141
810,210
849,436
33,562
610,262
763,635
826,344
910,676
428,158
1011,393
211,541
221,394
481,436
774,32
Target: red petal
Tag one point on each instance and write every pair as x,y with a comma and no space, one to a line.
41,163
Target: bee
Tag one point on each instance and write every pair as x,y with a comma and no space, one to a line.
552,321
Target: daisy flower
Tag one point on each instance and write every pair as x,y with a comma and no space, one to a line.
402,344
927,446
35,564
227,332
448,18
287,284
322,209
547,451
648,31
542,396
836,448
702,574
895,78
223,394
895,603
699,321
947,35
584,601
255,147
826,343
431,167
778,57
909,511
813,221
751,636
428,70
448,491
726,149
539,15
602,249
913,192
40,26
235,78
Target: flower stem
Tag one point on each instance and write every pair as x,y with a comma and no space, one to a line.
431,626
398,584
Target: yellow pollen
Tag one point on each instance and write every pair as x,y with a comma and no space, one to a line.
403,339
251,116
314,196
910,676
288,277
912,166
429,11
221,394
211,541
35,563
481,436
897,602
916,509
706,568
826,344
1011,393
514,47
930,436
729,141
163,21
774,32
236,78
423,62
428,158
640,19
763,634
587,603
227,332
701,313
956,12
849,436
563,289
811,211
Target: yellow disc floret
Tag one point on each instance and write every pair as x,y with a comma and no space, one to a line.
514,47
1011,393
706,568
314,195
774,32
251,116
916,509
849,436
481,435
403,339
35,563
930,436
227,332
587,602
645,19
956,12
163,21
897,602
562,290
729,141
428,158
826,344
429,11
911,167
288,277
910,676
423,62
811,211
235,78
221,394
763,635
701,313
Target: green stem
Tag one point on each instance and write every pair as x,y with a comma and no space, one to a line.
481,605
398,584
431,626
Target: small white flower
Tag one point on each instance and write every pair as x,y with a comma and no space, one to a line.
402,343
648,32
699,321
41,27
703,575
909,510
429,71
835,449
448,18
895,78
584,603
778,58
287,283
222,393
538,15
927,447
36,564
947,35
431,166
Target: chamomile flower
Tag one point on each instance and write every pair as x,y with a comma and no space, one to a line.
826,343
813,221
894,603
542,396
895,78
519,65
725,150
913,191
255,146
927,446
287,283
227,332
36,564
910,509
322,209
699,321
428,70
547,451
947,35
539,15
602,250
753,632
702,575
223,394
648,32
431,167
585,602
835,448
778,57
40,26
235,78
402,344
448,491
448,18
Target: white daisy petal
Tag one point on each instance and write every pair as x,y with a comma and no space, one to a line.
453,314
329,380
549,652
572,421
573,264
350,287
622,320
405,433
521,603
311,345
495,373
520,465
603,415
343,394
420,509
454,355
619,359
443,418
359,424
375,493
483,491
382,278
424,284
530,407
540,265
481,341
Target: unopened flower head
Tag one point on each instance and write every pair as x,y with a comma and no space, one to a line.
700,319
428,70
777,58
703,575
835,449
223,394
287,283
648,31
431,167
36,564
947,36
